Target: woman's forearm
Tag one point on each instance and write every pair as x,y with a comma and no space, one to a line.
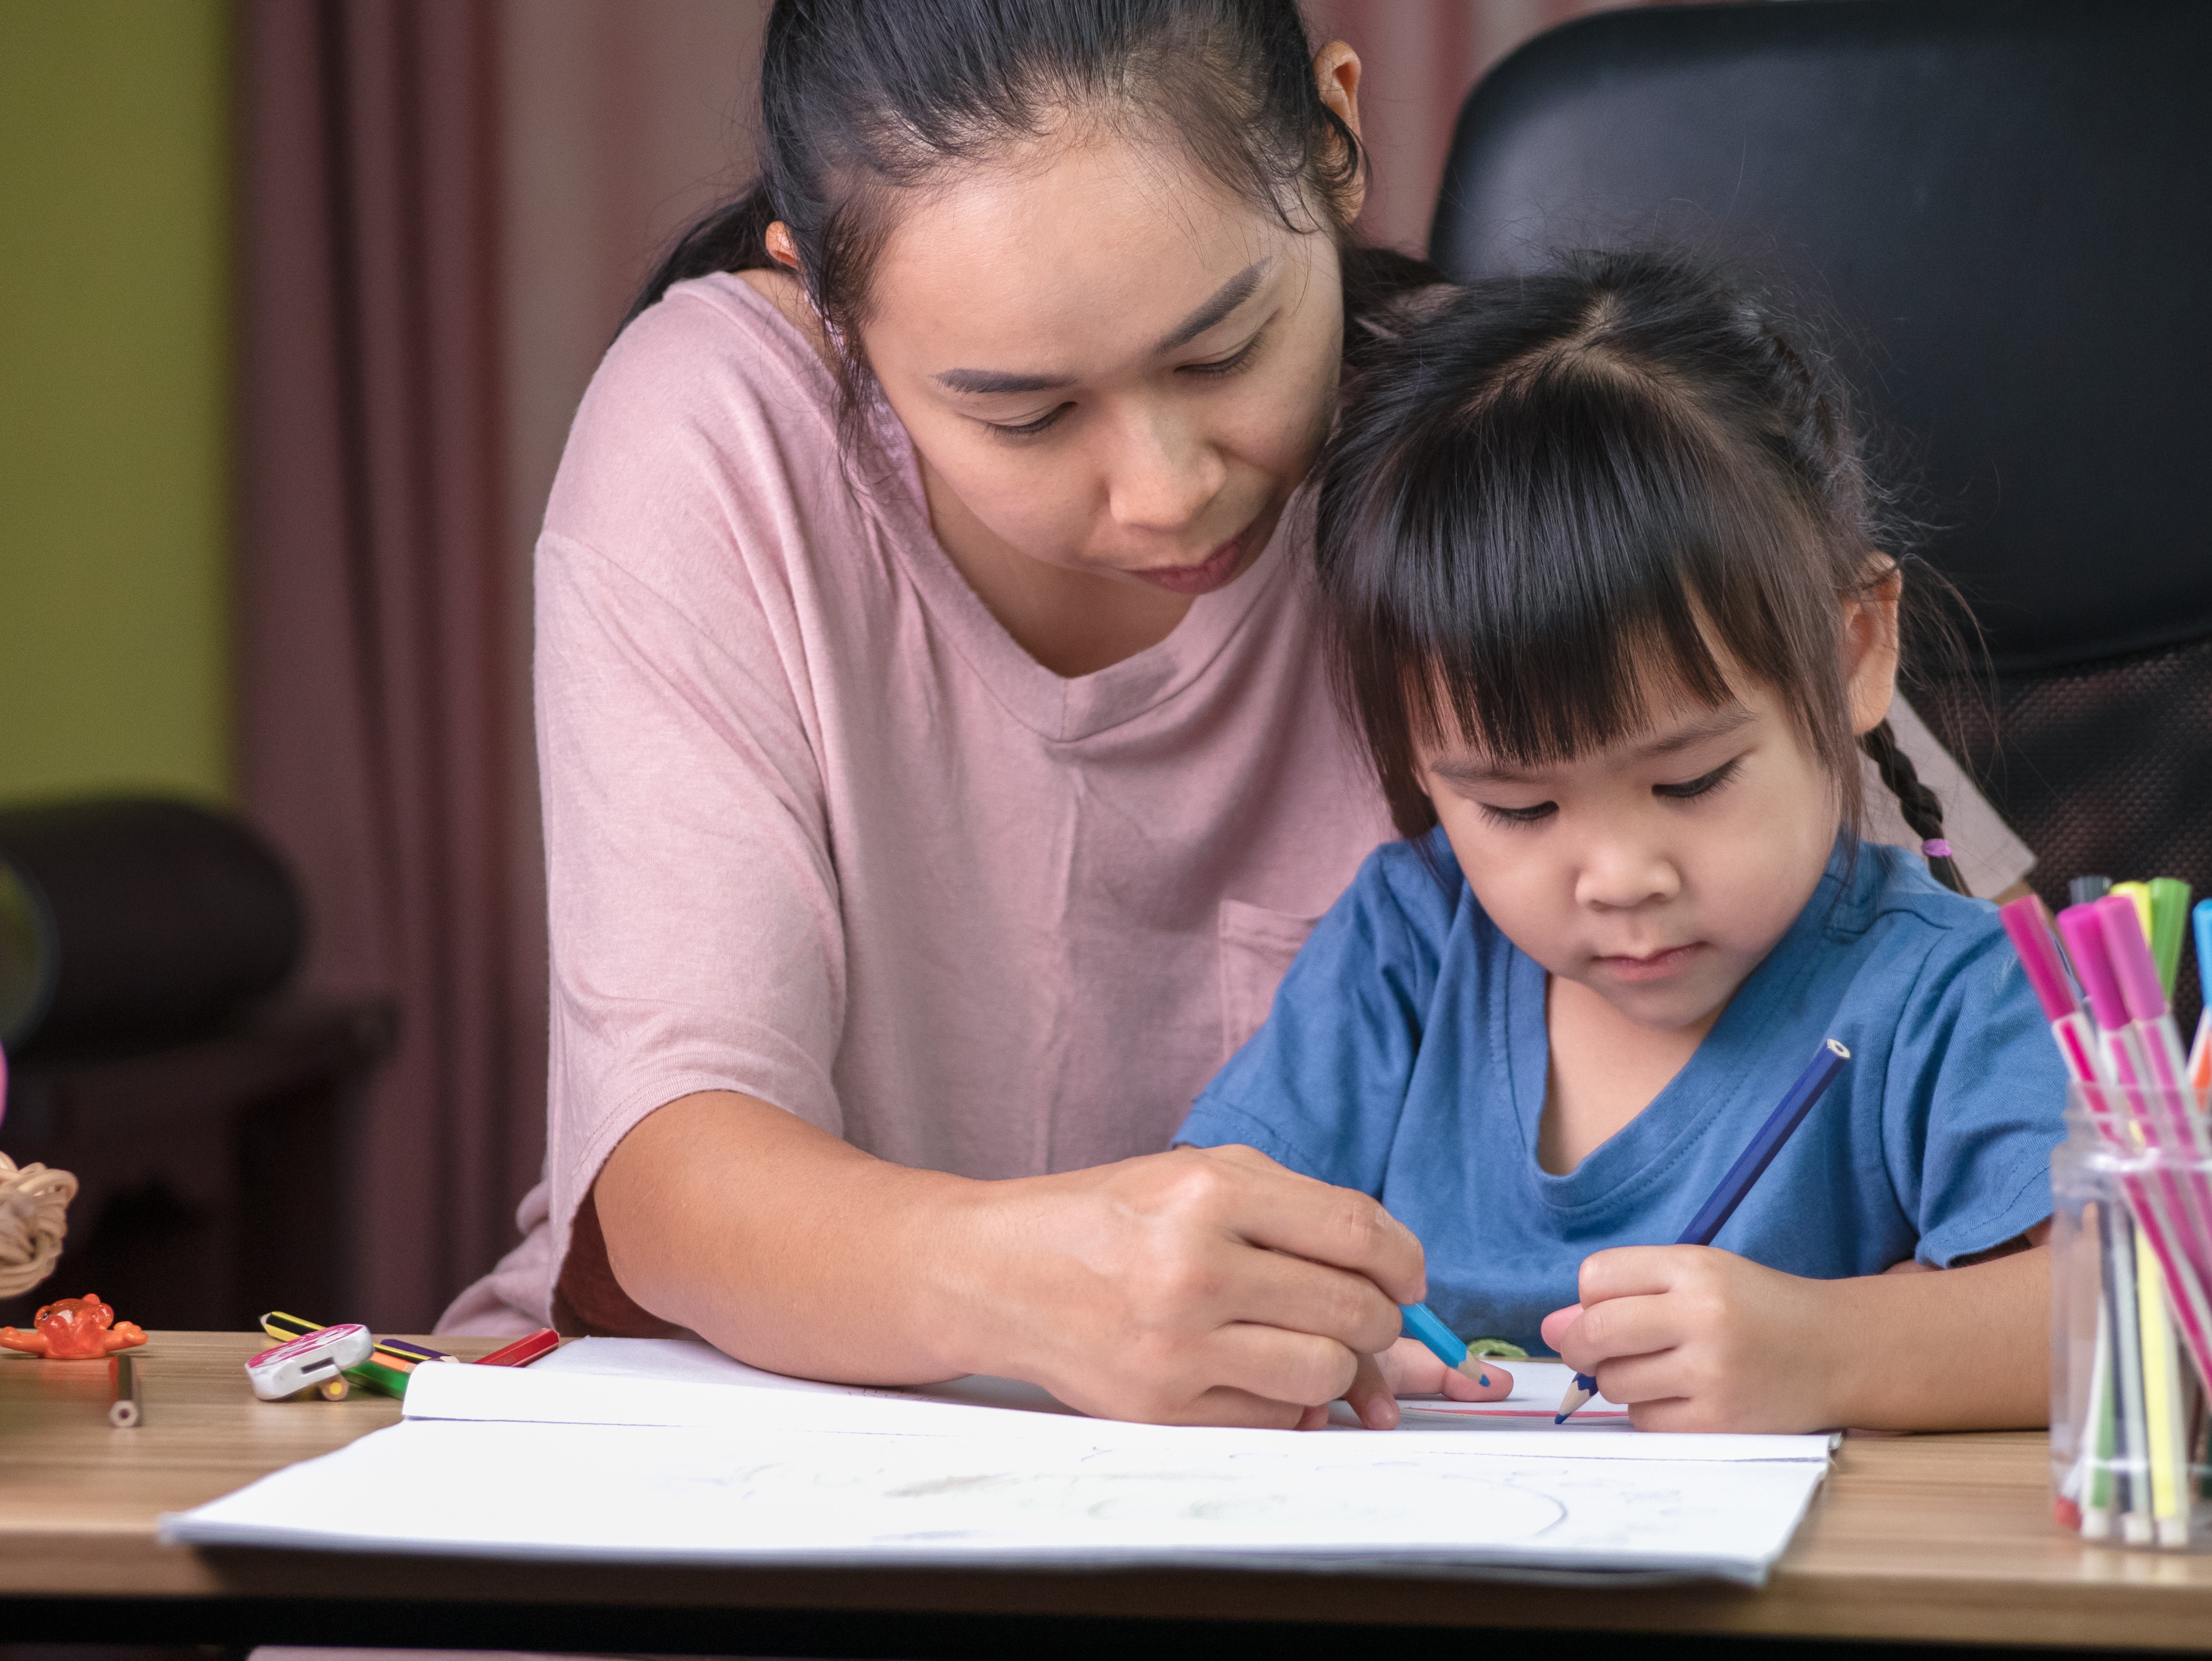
1206,1285
780,1243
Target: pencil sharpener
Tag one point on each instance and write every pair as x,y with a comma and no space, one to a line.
306,1363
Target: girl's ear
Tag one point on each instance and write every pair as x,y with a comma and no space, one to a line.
1870,649
1336,70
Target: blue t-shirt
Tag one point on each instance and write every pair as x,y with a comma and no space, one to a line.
1406,1056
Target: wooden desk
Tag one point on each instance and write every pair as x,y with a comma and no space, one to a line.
1926,1538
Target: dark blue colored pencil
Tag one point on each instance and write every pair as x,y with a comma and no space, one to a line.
1812,1084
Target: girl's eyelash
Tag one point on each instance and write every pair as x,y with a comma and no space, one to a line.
1704,784
1519,816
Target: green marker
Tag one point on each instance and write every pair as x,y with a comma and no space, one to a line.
2169,921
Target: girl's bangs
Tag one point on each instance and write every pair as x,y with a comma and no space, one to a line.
1589,576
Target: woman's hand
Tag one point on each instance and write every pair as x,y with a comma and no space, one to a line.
1200,1285
1695,1338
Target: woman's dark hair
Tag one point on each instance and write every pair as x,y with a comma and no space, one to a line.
1551,496
863,100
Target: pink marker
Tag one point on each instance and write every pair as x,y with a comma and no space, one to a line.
2172,1220
2142,992
2083,930
2026,922
2175,1127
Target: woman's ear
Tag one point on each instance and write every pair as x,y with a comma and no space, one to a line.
1870,649
784,287
781,248
1336,71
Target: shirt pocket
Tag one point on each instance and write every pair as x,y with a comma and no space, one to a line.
1257,945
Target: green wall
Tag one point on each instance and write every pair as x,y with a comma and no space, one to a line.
114,234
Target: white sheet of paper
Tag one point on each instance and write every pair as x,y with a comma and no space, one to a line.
692,1360
634,1456
1538,1386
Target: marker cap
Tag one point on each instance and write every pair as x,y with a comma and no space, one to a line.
2201,918
2024,920
2133,966
2169,923
2083,931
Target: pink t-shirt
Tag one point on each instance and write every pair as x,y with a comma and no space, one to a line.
817,830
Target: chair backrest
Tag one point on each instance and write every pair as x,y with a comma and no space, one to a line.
2005,206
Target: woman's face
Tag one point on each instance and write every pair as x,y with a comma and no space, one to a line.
1108,362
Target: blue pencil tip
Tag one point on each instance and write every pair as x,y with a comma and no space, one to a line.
1483,1380
1559,1418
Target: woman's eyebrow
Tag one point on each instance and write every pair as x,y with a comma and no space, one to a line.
1001,380
1224,300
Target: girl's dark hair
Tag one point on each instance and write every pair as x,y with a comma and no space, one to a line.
863,100
1551,496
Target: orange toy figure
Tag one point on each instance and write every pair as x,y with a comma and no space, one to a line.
75,1330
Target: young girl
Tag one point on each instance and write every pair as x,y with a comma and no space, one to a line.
1608,590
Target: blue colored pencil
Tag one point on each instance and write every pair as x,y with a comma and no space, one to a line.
1419,1321
1812,1084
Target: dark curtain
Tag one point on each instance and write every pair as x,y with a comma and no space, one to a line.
382,644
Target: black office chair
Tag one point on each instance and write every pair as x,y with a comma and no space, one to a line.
2006,205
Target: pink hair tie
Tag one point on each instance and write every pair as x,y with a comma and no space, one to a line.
1936,849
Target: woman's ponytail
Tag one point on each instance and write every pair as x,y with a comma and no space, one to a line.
1922,813
730,238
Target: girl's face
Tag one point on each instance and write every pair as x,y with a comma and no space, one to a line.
1107,362
1658,873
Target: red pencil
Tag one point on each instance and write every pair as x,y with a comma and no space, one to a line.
523,1351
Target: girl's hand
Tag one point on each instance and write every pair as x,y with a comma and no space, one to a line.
1691,1338
1409,1368
1695,1338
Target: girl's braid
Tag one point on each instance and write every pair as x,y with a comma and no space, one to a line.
1923,813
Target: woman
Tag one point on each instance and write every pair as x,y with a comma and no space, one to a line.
938,769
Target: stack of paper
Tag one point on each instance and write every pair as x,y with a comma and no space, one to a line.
669,1453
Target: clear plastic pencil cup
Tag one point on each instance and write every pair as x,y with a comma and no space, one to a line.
2132,1319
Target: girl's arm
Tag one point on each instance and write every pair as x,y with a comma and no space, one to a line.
1197,1285
1695,1338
